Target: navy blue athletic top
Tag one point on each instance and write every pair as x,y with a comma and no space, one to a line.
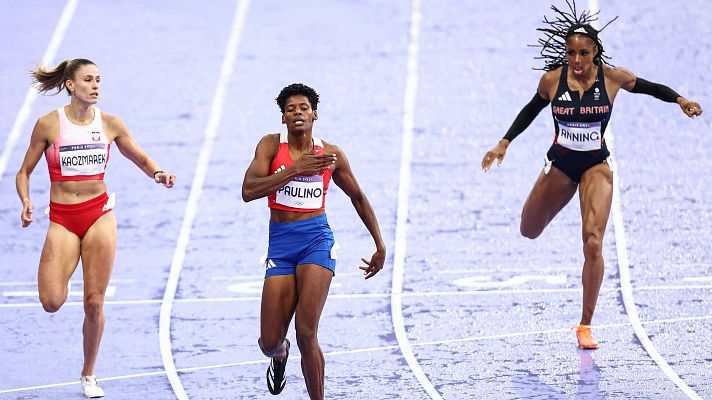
581,122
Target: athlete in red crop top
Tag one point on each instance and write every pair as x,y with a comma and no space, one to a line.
293,171
76,140
581,89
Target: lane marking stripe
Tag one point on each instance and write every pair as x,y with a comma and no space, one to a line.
402,211
47,59
211,131
355,351
369,295
624,264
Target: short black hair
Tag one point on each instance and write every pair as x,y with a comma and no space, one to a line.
297,89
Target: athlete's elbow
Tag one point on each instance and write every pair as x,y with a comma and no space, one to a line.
357,198
246,195
23,175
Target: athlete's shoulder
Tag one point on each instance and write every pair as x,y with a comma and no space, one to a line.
48,120
548,83
268,145
618,74
110,120
551,77
270,139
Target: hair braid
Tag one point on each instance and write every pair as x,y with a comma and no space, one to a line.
562,26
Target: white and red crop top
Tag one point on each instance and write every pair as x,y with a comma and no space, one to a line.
304,193
80,152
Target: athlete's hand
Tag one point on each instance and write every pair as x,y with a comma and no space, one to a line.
166,179
497,153
690,108
27,209
375,264
311,163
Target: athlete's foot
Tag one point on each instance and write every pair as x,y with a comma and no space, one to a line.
90,387
585,338
275,373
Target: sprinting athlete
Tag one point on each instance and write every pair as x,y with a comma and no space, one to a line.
75,140
581,89
293,171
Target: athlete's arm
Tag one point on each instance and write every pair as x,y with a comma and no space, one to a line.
344,178
259,182
38,143
635,84
522,121
116,129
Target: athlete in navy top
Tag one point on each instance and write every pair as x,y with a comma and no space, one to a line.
580,122
581,89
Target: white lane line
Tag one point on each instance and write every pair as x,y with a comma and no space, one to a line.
211,131
624,265
47,59
411,89
110,292
627,288
697,279
355,351
367,295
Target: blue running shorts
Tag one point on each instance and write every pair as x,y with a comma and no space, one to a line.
308,241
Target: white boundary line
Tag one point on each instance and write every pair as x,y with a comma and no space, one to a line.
211,131
627,288
64,20
411,89
365,295
624,266
355,351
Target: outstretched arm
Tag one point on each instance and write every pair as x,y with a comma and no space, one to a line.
633,84
131,150
345,179
664,93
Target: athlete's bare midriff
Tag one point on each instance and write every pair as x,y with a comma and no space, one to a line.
73,192
291,216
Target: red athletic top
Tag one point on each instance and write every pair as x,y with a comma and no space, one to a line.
80,152
304,193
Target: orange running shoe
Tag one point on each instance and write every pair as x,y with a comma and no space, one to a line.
585,338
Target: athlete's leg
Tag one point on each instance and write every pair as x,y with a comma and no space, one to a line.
279,300
595,194
98,251
550,194
59,259
313,283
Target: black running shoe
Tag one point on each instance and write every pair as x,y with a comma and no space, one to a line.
275,374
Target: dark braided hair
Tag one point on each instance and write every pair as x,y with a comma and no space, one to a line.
296,89
563,26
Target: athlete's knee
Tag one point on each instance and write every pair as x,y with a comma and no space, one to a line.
529,231
592,246
306,335
271,347
93,305
52,304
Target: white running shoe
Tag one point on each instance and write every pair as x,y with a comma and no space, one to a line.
91,388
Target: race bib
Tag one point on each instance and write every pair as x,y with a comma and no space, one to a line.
579,136
82,159
302,192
